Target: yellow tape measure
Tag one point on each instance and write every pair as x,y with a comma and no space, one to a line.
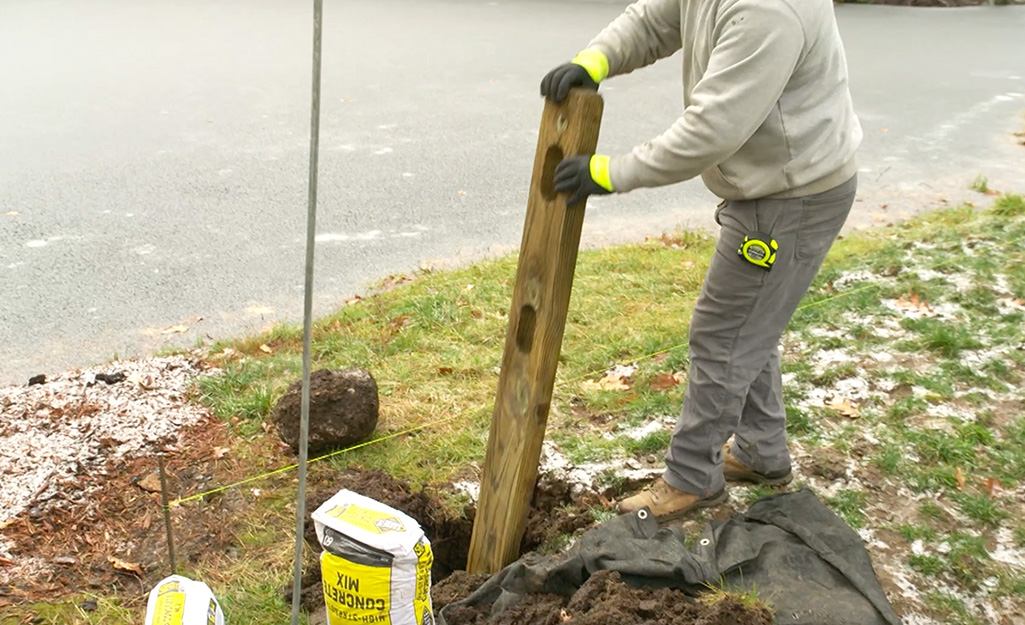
759,249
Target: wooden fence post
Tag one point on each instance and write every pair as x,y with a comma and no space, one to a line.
544,278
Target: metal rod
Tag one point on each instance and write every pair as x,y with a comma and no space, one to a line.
311,230
167,513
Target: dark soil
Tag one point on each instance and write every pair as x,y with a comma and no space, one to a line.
456,586
554,511
605,600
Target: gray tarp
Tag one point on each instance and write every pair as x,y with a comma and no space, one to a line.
800,557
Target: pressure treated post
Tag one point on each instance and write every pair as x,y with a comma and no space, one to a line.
544,277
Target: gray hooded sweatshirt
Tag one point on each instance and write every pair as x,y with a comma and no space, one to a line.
767,108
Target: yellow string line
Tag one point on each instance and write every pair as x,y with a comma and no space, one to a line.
562,383
317,459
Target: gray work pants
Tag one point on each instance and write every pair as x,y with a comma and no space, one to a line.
734,383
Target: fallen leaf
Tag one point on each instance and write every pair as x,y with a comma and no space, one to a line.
355,299
992,484
195,319
144,381
4,561
219,452
477,314
843,405
123,565
445,370
609,382
175,329
150,483
469,287
266,349
660,357
400,322
564,616
959,476
665,381
914,302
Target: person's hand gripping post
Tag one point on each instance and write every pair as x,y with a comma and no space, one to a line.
583,175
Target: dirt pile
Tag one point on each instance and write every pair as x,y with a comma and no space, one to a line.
554,510
605,599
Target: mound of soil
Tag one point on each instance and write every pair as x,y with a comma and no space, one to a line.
456,586
554,511
604,599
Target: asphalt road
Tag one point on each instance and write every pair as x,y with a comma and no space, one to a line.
153,155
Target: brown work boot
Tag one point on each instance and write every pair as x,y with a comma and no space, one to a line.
736,471
667,503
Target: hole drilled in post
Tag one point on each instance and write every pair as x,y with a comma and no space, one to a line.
525,328
552,159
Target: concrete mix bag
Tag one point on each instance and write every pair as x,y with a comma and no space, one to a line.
376,563
178,600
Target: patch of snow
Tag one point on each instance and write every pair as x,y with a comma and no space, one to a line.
960,281
851,277
884,384
1002,286
584,477
1007,551
655,425
949,411
472,489
622,371
823,359
978,358
826,333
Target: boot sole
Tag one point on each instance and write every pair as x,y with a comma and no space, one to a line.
758,478
711,502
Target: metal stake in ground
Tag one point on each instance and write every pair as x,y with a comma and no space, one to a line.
544,278
311,230
167,513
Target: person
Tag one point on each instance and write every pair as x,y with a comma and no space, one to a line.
769,125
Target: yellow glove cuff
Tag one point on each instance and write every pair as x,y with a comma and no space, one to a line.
599,166
595,62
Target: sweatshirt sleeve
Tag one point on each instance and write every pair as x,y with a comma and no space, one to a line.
648,30
757,45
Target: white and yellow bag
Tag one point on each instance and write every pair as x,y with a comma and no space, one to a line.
178,600
376,563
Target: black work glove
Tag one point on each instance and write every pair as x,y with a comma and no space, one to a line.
573,176
557,83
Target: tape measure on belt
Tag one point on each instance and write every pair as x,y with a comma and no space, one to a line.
759,249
